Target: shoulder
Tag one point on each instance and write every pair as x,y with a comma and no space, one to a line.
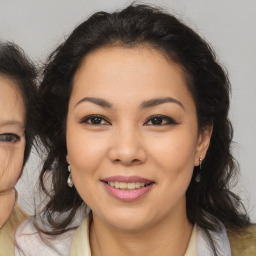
31,242
8,230
243,241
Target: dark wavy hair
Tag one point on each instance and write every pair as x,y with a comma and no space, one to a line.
16,65
206,80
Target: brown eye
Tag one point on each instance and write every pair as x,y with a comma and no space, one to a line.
95,120
9,137
159,120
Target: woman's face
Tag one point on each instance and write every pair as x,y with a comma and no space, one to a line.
132,137
12,142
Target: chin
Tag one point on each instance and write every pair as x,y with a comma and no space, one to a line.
127,219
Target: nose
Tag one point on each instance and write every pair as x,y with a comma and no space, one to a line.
127,147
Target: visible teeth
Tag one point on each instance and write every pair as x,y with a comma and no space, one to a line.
126,186
137,184
123,185
131,185
116,184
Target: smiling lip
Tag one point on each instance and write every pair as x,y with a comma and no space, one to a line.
127,179
128,193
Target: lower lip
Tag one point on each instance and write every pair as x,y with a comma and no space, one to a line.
128,195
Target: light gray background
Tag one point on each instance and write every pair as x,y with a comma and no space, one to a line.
229,26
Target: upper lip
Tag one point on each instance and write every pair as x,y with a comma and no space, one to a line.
127,179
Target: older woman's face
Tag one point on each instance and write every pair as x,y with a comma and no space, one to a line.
132,137
12,143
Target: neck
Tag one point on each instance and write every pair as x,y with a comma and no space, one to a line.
7,201
167,238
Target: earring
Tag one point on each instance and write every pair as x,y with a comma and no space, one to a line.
200,163
70,181
198,176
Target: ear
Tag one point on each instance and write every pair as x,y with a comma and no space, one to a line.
67,159
203,143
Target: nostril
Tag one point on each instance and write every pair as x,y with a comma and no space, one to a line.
136,161
127,155
131,162
127,162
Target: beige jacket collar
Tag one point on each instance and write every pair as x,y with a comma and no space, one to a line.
79,248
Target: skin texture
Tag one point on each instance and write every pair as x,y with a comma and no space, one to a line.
12,144
128,142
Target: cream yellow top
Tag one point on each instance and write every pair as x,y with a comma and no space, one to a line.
8,230
83,249
75,242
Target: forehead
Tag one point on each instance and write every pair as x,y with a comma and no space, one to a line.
11,101
126,59
130,74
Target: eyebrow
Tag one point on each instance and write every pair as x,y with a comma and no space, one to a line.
12,122
158,101
98,101
145,104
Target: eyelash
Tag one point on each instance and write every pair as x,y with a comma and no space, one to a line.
89,118
9,138
168,120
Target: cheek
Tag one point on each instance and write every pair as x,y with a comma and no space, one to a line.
175,153
85,151
173,158
86,155
11,166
